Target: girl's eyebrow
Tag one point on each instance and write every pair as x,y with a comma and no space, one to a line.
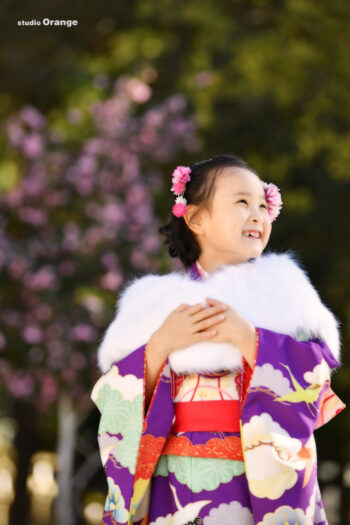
247,193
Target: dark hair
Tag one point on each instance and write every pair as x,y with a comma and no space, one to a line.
199,191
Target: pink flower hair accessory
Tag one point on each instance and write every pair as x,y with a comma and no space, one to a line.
180,176
273,199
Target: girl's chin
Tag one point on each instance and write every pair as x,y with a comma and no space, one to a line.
252,243
255,249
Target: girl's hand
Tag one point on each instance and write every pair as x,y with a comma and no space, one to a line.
187,325
235,329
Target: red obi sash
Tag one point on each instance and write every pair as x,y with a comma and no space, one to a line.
219,415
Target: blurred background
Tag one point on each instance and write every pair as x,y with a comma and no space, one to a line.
94,119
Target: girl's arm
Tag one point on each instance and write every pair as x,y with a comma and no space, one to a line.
156,354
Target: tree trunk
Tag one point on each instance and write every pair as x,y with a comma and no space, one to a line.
26,444
67,427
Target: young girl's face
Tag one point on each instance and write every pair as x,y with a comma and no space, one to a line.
220,231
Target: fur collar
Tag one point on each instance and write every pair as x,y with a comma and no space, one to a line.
272,292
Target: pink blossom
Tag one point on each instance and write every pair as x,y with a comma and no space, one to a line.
176,103
42,279
83,332
150,243
113,213
111,280
138,258
87,164
31,116
109,260
154,117
33,216
93,236
138,91
32,334
94,146
32,186
142,213
148,136
15,133
134,232
20,384
136,194
32,145
84,183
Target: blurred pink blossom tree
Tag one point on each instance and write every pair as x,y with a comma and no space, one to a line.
72,227
77,220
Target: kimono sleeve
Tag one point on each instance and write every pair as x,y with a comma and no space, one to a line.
131,441
293,373
287,398
118,394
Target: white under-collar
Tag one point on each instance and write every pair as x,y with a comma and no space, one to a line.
203,273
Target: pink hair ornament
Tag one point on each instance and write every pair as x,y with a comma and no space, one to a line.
181,175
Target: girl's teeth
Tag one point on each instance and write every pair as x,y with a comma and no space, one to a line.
255,236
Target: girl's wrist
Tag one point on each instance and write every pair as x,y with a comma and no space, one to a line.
246,341
158,346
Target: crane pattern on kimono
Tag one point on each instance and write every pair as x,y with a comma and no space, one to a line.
187,514
308,395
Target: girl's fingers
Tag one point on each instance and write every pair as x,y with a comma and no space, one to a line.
208,323
197,308
208,312
213,301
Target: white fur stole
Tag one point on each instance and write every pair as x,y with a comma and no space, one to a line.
272,292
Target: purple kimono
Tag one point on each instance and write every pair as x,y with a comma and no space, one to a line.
263,474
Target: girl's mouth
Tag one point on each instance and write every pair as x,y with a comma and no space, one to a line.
255,237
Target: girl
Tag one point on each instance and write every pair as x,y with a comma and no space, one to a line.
215,377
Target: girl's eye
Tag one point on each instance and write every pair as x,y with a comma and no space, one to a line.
244,200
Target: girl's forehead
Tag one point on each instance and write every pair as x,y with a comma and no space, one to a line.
239,180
